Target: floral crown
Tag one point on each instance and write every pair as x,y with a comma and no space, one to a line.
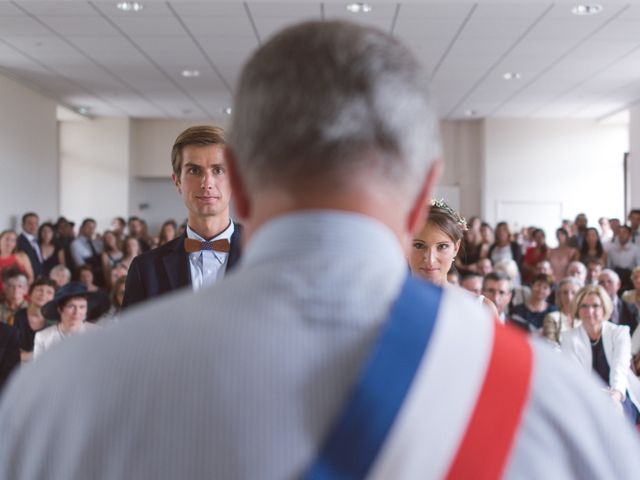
442,205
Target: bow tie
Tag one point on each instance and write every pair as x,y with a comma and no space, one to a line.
191,245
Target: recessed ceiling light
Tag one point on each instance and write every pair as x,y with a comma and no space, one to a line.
190,73
83,110
359,7
586,9
130,6
470,113
512,76
227,111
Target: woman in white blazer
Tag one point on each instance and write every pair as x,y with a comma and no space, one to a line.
602,346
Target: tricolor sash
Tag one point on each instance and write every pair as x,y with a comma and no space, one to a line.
359,433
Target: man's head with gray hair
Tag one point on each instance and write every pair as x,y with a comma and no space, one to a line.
331,104
610,281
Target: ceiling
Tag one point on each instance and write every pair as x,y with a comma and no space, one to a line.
90,54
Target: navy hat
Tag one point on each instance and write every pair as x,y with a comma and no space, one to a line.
72,290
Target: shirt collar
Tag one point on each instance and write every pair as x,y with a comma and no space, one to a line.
224,235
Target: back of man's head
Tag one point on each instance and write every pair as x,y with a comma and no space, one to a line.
332,102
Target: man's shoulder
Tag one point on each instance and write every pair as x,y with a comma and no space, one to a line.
584,433
149,257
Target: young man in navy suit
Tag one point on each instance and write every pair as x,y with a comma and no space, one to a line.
210,245
28,242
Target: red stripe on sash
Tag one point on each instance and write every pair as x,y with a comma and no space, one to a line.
487,443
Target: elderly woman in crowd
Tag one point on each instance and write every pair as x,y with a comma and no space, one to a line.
61,275
562,320
28,321
578,270
16,289
70,307
602,346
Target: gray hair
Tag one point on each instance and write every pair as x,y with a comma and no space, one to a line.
62,269
331,101
571,281
612,274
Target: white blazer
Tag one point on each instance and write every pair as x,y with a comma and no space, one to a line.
616,341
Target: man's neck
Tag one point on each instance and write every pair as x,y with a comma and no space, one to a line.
379,204
209,227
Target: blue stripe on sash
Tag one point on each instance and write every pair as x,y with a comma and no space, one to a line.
353,443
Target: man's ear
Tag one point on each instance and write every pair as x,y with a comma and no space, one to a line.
420,208
238,190
176,182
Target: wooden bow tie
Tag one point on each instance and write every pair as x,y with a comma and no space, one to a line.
191,245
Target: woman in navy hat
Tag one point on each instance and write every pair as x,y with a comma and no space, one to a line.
70,307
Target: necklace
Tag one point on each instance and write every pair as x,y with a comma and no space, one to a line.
594,343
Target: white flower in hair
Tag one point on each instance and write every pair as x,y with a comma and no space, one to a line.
442,205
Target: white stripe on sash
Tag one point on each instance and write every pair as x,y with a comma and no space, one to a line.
434,417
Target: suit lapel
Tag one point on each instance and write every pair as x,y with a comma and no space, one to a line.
236,249
176,265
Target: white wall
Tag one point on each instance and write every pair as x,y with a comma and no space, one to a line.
540,171
94,169
463,154
634,157
151,142
28,154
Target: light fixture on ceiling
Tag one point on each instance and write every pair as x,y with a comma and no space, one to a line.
190,73
359,7
227,111
470,113
130,6
83,110
583,9
512,76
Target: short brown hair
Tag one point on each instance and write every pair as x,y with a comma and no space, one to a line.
200,135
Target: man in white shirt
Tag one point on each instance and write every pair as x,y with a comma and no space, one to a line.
320,356
623,256
85,248
211,244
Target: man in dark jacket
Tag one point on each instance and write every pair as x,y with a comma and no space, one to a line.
210,246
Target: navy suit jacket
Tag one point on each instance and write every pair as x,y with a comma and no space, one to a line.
25,246
166,269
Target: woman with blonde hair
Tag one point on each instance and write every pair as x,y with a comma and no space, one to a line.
603,346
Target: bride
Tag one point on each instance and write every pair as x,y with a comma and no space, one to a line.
435,247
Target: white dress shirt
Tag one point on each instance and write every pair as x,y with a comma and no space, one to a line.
207,266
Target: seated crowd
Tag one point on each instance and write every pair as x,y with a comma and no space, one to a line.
584,292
